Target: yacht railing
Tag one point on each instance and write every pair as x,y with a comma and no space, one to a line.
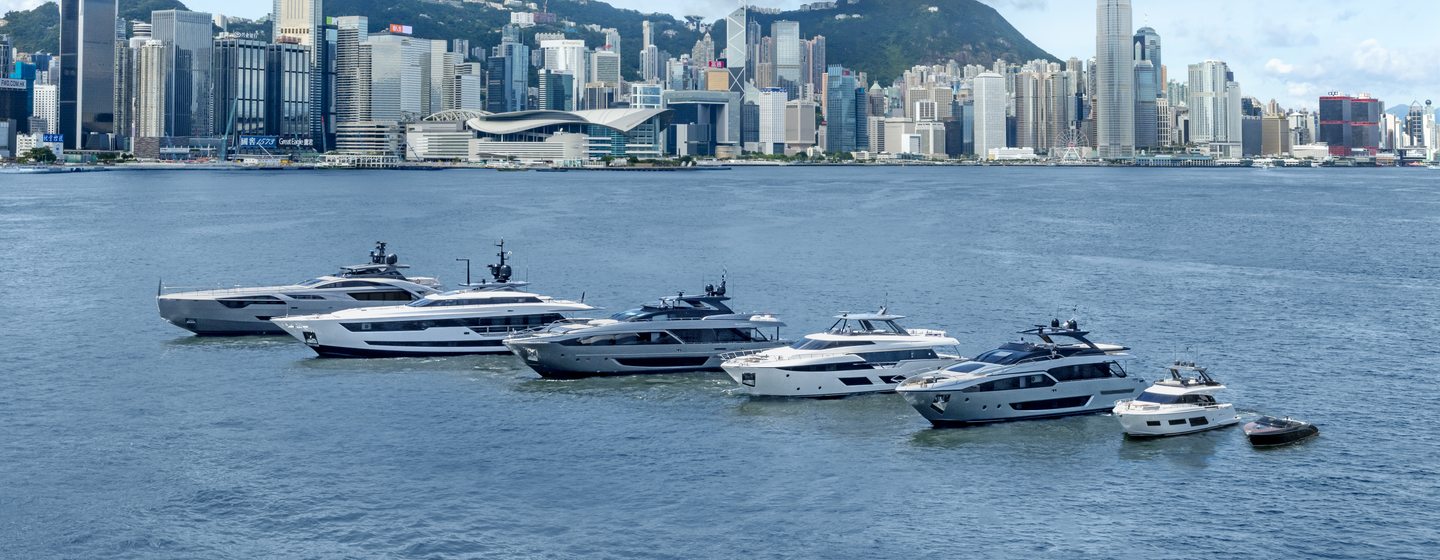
1130,404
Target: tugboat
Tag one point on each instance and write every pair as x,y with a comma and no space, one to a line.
1269,431
1183,404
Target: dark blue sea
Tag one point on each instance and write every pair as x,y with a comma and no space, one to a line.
1310,292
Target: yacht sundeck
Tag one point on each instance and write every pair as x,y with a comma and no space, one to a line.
677,333
474,320
859,353
1025,380
1183,404
242,311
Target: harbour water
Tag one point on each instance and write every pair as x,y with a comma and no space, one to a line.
1311,293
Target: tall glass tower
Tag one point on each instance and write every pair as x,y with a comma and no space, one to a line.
1115,86
87,71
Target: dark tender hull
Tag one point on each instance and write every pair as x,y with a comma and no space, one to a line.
939,423
343,352
1280,432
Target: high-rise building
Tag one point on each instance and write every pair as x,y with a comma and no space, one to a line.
786,36
652,64
1350,125
188,109
1147,47
704,51
152,67
7,55
238,68
556,90
87,72
772,120
846,126
46,105
1115,86
815,65
567,55
352,69
288,99
605,68
990,101
1275,135
737,47
1215,116
1146,92
400,72
303,21
508,73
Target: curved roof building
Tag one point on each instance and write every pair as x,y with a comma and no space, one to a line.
602,132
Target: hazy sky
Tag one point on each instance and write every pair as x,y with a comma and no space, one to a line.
1291,50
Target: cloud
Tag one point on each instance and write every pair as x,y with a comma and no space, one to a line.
1280,67
1374,58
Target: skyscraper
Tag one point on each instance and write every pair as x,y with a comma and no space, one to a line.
786,35
1215,118
87,72
1115,86
151,69
605,68
990,100
188,110
304,21
772,121
846,128
288,99
567,55
508,69
1146,90
736,47
352,69
238,68
399,77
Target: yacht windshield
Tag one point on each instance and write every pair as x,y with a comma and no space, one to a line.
628,314
813,344
966,367
1158,398
311,282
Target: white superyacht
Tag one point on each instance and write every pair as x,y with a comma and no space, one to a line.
474,320
246,311
1026,380
859,353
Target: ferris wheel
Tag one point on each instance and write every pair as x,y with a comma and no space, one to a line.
1069,143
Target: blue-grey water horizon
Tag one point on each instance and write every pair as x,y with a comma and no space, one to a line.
1309,292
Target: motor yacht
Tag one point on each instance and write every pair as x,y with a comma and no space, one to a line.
1182,404
1025,380
246,311
473,320
859,353
678,333
1269,431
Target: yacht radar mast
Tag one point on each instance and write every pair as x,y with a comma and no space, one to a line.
501,272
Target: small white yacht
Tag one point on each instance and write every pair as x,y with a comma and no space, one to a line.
1025,380
859,353
474,320
244,311
1183,404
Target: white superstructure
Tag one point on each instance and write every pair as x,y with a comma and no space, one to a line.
859,353
1183,404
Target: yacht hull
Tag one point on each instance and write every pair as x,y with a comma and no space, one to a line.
207,316
1175,423
557,361
946,408
760,381
329,339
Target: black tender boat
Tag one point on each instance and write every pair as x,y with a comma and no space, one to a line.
1269,431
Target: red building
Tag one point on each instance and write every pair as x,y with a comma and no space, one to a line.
1350,125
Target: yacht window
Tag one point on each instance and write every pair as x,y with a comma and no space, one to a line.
311,282
966,367
485,301
705,336
628,315
242,302
1006,384
1081,372
349,284
381,295
303,296
505,323
1157,398
1008,354
813,344
899,355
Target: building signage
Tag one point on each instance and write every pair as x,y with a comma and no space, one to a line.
7,83
401,29
53,138
297,142
259,141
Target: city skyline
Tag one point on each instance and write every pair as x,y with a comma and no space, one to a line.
1291,52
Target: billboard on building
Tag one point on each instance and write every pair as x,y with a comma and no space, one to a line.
7,83
401,29
259,141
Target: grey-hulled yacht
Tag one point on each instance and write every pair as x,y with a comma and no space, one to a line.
247,311
675,334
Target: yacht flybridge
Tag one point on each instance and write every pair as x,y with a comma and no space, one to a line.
473,320
1183,404
677,333
859,353
243,311
1025,380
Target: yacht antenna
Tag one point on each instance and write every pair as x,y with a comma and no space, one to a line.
501,272
467,270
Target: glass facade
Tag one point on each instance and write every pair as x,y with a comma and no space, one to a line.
188,109
287,89
87,72
239,72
